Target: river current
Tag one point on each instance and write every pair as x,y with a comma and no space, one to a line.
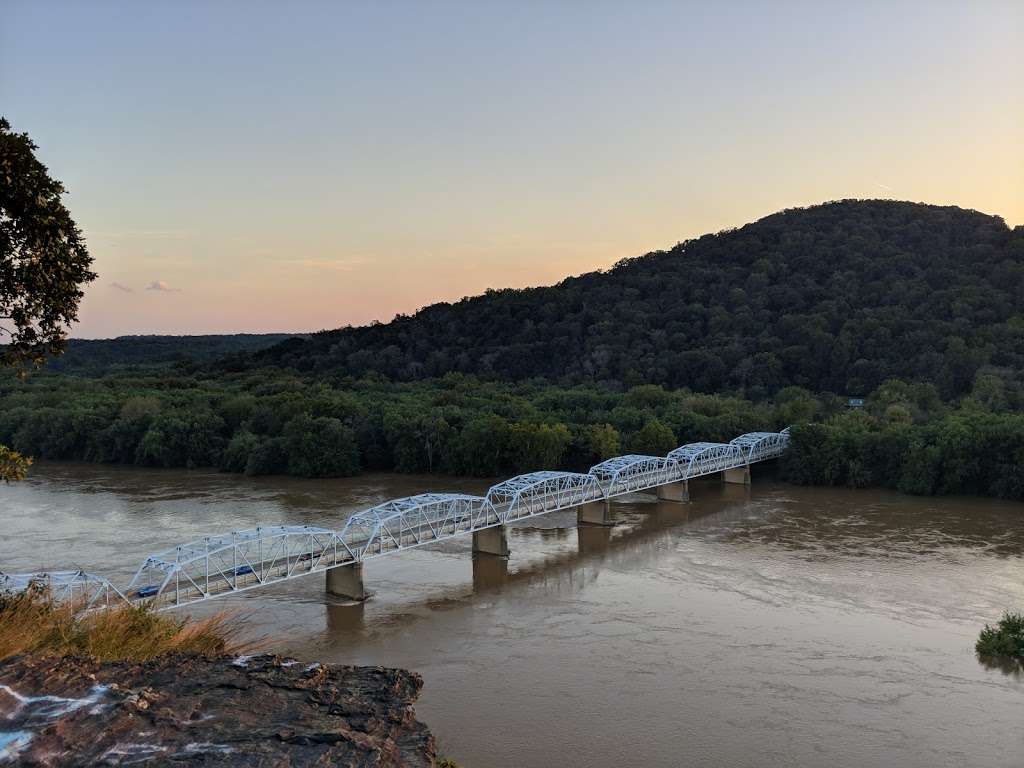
769,626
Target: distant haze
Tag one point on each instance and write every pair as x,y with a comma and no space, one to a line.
253,167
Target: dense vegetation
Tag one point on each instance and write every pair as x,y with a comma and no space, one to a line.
1003,645
274,422
835,298
92,357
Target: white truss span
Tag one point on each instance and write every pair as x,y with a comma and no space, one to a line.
240,560
237,561
414,521
84,590
627,474
698,459
759,446
541,492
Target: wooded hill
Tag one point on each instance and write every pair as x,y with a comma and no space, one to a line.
834,298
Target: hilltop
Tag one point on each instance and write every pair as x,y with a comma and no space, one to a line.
834,298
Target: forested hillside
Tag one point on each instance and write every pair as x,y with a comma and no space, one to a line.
835,298
92,357
920,309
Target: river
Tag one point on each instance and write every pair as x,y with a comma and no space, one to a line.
770,626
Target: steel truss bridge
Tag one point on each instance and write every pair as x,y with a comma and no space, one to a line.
225,564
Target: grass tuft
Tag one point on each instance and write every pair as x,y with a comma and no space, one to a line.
32,622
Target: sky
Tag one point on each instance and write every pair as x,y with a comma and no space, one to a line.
261,167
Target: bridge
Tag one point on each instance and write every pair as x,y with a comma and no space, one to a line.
226,564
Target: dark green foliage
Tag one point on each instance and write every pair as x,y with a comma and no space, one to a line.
241,448
964,451
835,298
1003,644
43,259
275,423
94,357
321,447
653,439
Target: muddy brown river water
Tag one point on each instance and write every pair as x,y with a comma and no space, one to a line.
770,626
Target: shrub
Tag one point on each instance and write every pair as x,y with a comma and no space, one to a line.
1005,640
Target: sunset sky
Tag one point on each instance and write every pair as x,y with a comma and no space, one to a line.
240,166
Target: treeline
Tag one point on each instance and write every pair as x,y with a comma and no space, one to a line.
274,423
966,452
835,298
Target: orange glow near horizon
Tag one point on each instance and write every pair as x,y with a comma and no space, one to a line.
238,170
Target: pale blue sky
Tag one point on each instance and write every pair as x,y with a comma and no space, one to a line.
307,165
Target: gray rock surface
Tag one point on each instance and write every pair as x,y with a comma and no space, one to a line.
188,710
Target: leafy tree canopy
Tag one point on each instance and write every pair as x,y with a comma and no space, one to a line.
43,265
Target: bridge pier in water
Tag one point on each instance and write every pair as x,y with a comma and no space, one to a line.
491,541
679,491
739,475
489,572
594,513
346,581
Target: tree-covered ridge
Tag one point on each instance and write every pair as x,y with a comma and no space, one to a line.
93,357
836,298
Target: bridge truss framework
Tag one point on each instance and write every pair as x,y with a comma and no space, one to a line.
224,564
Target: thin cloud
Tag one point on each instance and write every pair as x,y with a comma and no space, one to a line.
160,285
886,187
123,288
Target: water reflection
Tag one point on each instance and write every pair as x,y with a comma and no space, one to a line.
490,572
1008,666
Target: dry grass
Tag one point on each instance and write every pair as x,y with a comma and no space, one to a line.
31,622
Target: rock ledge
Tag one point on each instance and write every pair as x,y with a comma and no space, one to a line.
188,710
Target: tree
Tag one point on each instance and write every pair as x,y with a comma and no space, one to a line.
654,439
43,265
320,447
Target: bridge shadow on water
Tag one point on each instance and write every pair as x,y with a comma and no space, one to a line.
644,527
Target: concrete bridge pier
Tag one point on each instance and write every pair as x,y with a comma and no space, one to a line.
679,491
491,541
347,581
489,573
738,475
594,513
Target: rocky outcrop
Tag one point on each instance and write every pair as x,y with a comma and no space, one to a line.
188,710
